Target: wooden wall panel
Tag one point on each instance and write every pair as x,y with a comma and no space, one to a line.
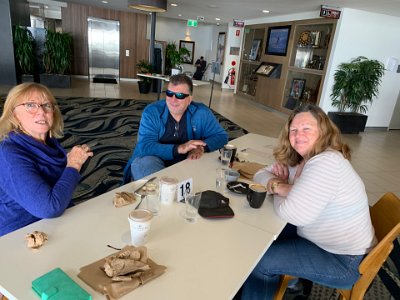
133,28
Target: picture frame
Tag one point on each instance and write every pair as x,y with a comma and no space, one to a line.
297,88
221,47
187,59
278,40
254,49
265,69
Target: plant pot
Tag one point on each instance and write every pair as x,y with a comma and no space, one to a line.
349,122
55,80
144,87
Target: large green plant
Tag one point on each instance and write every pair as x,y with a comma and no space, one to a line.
57,57
173,56
24,49
356,84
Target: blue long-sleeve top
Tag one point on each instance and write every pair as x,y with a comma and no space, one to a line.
34,181
201,125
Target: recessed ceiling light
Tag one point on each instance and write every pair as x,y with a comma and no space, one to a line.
174,4
217,19
212,6
265,11
104,1
179,15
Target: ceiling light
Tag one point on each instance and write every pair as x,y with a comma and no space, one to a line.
212,6
174,4
179,15
149,5
265,11
217,19
104,1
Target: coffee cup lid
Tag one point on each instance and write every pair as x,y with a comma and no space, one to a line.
168,180
140,215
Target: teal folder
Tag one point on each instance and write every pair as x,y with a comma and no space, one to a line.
57,285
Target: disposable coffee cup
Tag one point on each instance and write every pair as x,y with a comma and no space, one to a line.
168,188
140,221
256,195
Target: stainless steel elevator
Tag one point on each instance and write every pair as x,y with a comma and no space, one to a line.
103,44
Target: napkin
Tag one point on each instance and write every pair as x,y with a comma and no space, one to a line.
247,169
214,205
95,276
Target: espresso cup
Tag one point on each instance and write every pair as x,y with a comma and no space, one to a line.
256,195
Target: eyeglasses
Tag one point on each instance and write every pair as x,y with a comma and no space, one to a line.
32,107
179,96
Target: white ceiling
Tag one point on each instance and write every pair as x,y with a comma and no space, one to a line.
227,10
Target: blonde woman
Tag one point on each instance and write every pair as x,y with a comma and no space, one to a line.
320,195
37,176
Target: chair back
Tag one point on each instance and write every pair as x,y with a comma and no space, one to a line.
385,216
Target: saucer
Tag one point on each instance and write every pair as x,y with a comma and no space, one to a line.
238,187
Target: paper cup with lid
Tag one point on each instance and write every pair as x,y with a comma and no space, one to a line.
140,221
168,188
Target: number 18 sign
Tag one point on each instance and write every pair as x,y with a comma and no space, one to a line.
184,187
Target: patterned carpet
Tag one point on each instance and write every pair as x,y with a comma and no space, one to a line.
110,127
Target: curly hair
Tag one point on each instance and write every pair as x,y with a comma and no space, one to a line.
20,94
329,137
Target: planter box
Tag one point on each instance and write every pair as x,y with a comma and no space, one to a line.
55,80
144,87
349,122
27,78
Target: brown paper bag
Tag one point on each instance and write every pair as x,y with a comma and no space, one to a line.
95,277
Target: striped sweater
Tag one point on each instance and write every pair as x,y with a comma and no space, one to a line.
328,204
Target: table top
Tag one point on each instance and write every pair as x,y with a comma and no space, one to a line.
209,259
166,78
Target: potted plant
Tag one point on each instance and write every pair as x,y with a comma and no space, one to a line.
174,57
355,86
24,52
144,84
57,59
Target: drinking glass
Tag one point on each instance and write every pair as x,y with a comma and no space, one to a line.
220,181
192,203
226,155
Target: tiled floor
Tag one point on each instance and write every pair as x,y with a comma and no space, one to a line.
375,152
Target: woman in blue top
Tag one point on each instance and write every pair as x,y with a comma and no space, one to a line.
37,176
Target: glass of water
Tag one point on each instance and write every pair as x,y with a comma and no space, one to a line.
192,203
226,155
220,182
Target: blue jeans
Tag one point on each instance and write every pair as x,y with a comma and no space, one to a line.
296,256
146,165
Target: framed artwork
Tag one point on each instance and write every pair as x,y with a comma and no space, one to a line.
187,59
221,47
265,69
277,40
297,88
254,49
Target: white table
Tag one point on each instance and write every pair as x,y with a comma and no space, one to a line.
160,78
209,259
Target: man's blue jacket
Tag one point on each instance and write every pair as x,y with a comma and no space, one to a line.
201,125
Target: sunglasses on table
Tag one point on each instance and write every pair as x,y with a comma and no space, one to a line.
179,96
32,107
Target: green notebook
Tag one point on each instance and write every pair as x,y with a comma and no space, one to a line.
57,285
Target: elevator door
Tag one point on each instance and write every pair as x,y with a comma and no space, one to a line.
103,43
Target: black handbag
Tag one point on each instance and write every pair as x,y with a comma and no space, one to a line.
214,205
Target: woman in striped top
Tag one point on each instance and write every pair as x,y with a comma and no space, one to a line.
319,194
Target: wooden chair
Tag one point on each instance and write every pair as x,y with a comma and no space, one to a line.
385,216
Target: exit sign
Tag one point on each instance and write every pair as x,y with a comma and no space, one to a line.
192,23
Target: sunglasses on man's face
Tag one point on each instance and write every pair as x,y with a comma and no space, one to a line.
179,96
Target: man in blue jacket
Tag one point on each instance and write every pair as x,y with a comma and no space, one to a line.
172,130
